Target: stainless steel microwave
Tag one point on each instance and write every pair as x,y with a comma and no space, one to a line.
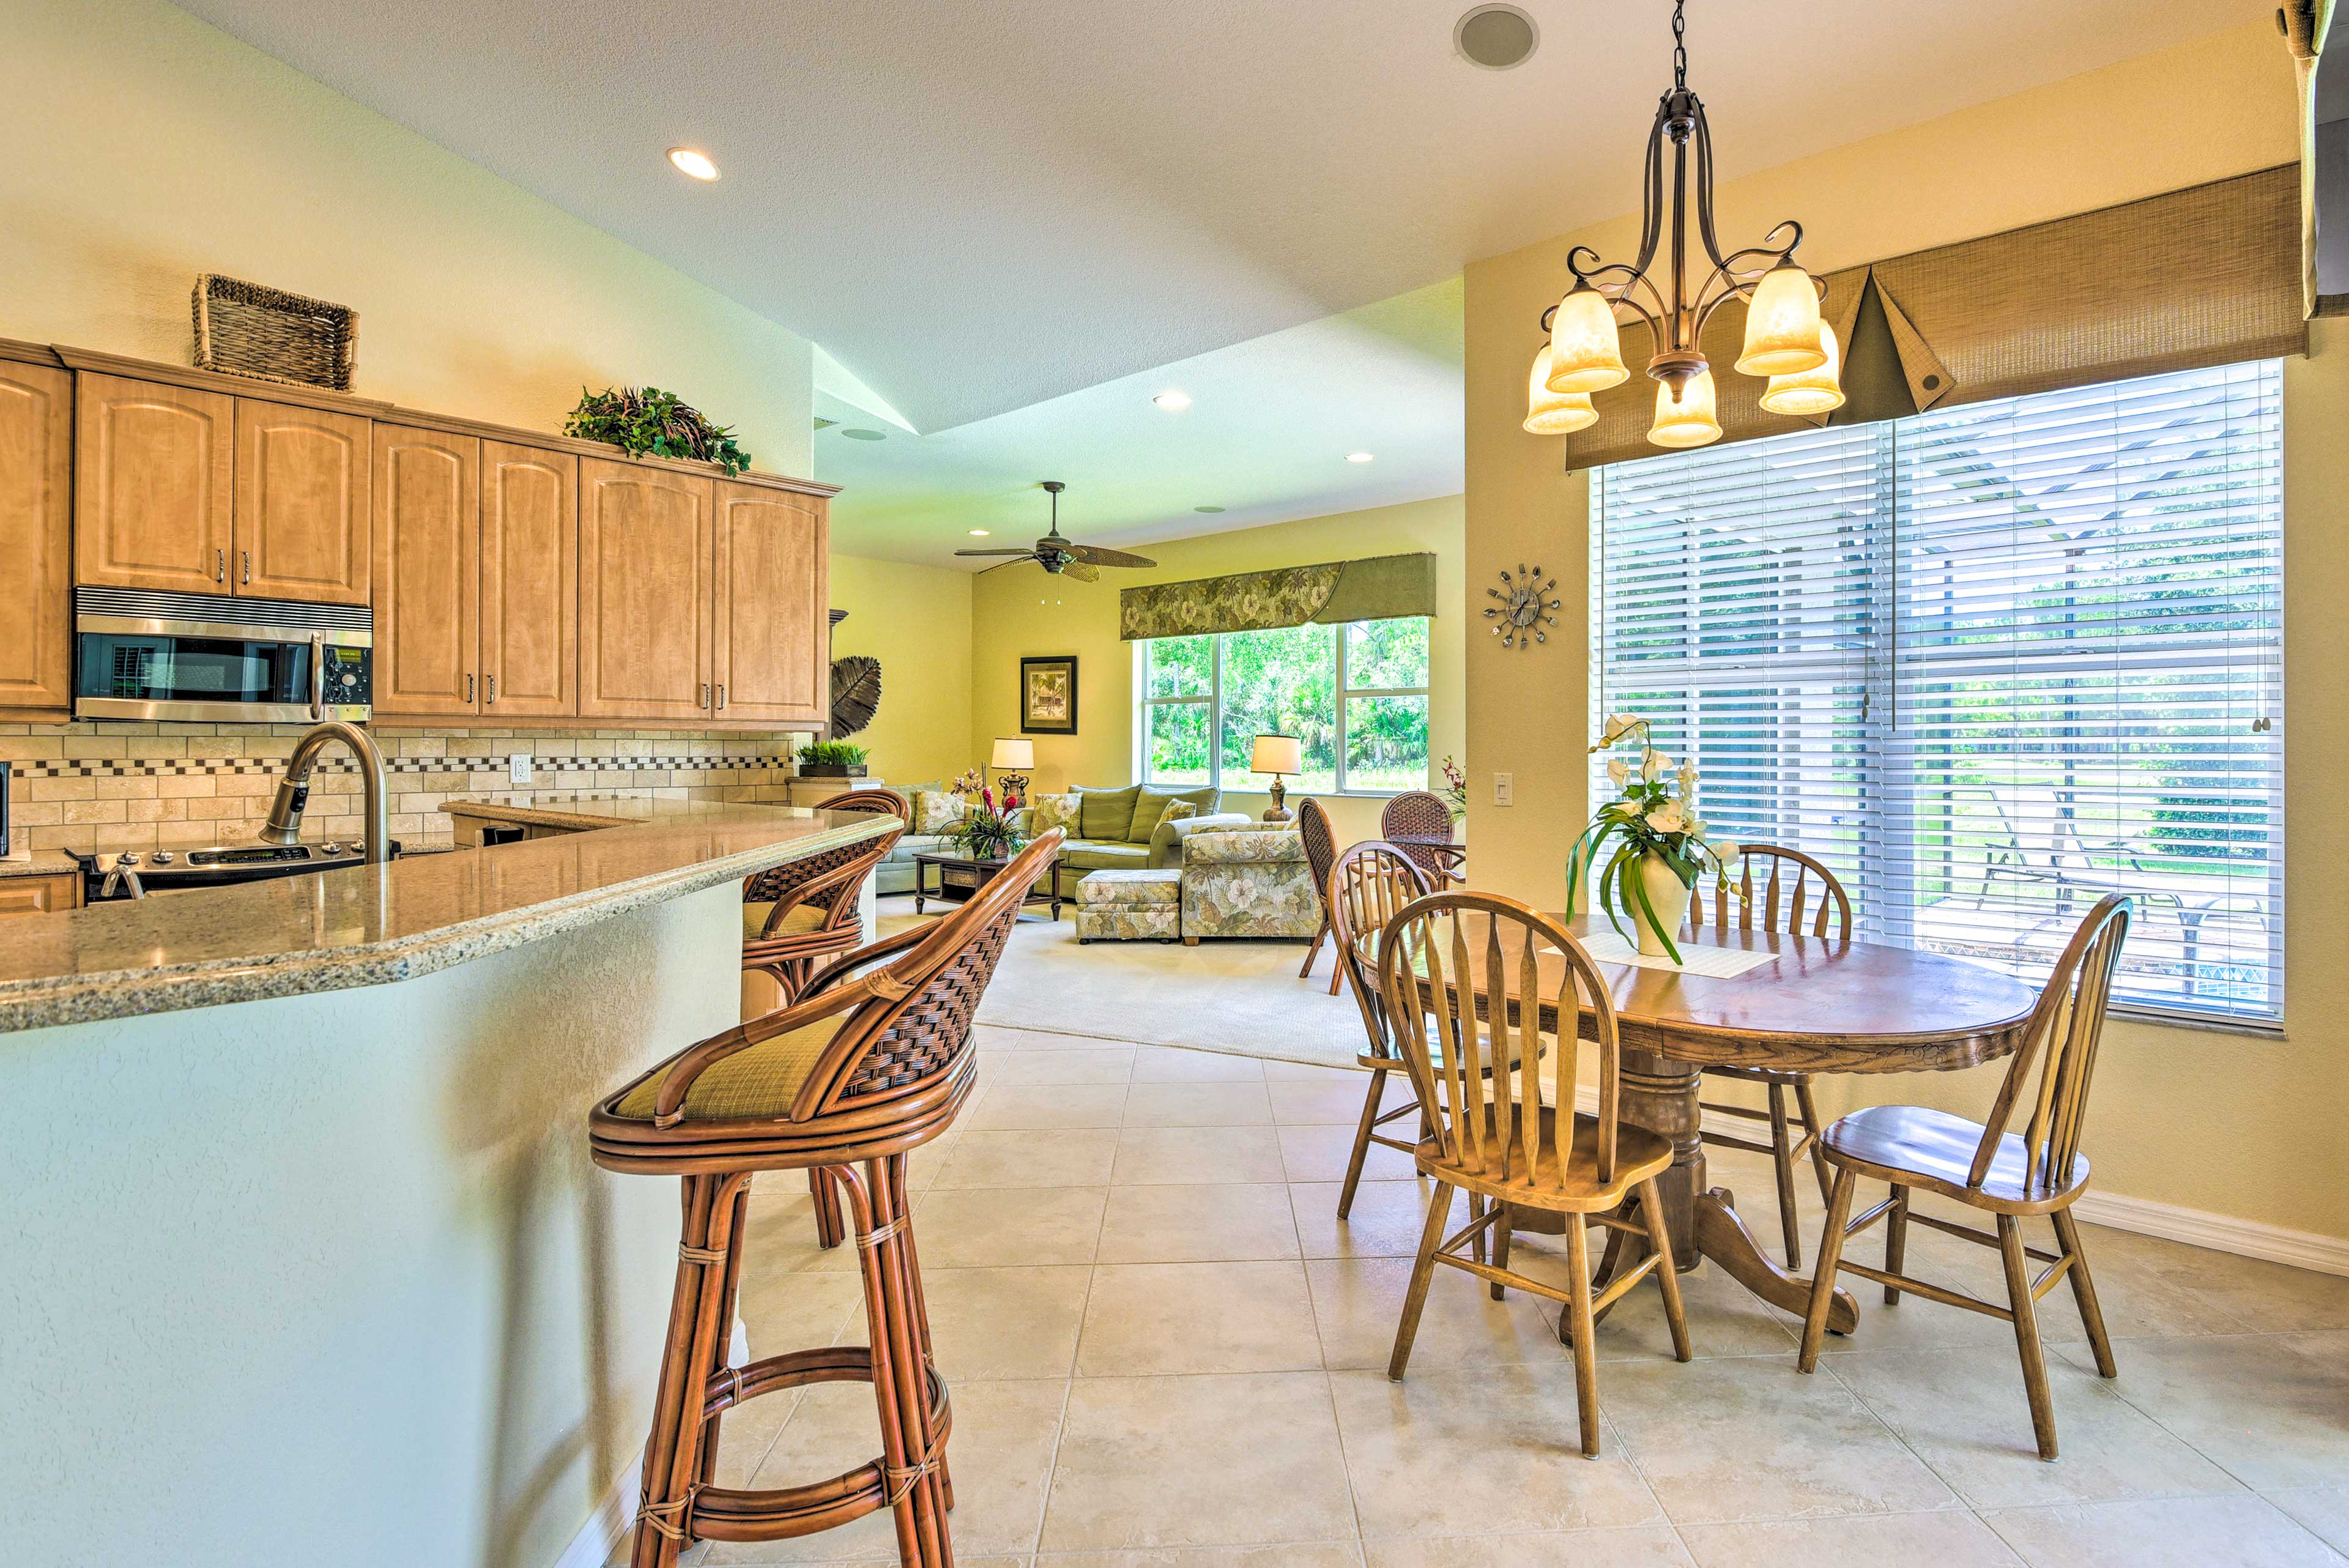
209,659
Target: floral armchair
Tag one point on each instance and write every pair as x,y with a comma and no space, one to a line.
1242,880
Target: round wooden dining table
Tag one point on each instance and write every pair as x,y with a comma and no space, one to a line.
1816,1005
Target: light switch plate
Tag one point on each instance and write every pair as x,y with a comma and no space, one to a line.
1505,789
518,767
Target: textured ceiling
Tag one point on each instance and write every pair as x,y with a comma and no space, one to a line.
984,205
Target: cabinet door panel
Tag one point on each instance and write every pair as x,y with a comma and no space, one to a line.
427,571
530,582
153,468
35,540
772,634
644,592
301,504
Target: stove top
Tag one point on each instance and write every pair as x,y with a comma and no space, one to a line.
110,876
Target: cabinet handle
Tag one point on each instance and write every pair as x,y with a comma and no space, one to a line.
220,566
721,694
493,688
469,688
705,693
246,557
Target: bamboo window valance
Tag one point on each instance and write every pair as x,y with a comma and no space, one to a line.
2207,276
1378,589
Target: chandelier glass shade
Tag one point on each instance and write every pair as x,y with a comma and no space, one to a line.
1555,413
1785,335
1809,393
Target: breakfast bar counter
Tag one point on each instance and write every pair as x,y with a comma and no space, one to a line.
303,1233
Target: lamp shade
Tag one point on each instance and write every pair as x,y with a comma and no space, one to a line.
1584,356
1012,753
1691,422
1277,754
1809,393
1782,326
1555,413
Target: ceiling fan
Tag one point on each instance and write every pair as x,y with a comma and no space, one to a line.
1057,556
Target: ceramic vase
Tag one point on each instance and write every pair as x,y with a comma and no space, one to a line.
1667,896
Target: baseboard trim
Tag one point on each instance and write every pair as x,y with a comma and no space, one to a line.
608,1525
2174,1222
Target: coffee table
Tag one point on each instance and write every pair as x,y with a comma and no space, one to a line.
952,878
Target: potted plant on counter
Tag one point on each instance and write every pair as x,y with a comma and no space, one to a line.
832,759
1663,844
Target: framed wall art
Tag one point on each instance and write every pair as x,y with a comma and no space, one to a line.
1048,696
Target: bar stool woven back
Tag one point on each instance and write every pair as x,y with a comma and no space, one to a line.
872,1060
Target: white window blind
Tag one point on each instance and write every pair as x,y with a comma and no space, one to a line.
2029,651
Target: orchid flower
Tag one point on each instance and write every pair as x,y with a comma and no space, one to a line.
1617,772
1652,763
1617,725
1666,817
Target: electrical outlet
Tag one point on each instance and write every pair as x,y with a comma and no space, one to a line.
518,767
1505,789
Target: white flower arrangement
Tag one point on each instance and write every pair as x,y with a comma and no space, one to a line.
1651,816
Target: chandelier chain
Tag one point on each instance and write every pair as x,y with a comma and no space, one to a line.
1679,43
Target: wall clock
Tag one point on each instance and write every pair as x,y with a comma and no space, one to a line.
1523,611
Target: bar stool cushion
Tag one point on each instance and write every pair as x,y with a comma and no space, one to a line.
806,918
758,1081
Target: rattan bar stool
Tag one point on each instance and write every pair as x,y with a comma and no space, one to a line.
872,1060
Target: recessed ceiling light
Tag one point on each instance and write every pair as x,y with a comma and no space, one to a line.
1173,402
864,435
693,161
978,533
1495,38
1206,509
1351,457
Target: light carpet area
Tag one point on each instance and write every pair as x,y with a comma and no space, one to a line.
1242,997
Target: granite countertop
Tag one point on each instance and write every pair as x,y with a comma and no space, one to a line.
585,809
366,925
42,863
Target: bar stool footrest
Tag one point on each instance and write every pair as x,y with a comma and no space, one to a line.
731,1513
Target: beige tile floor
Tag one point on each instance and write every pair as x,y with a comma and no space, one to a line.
1167,1352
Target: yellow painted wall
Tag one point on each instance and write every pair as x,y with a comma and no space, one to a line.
1020,611
917,621
145,147
2242,1127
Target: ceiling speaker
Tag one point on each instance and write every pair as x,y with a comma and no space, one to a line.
1495,38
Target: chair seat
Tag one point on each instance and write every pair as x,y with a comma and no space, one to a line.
805,918
761,1080
1918,1146
1639,1155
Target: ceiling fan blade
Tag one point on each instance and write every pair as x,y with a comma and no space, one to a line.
1100,557
1082,572
1000,565
995,552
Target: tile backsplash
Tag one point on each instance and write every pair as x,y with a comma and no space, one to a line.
122,786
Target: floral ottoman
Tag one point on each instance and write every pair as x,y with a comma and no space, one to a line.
1130,906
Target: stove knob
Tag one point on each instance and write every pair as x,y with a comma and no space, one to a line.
131,859
330,847
164,858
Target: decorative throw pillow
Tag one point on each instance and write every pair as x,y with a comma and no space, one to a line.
1176,810
1106,814
1047,812
935,811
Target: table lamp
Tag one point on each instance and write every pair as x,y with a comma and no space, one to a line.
1277,755
1013,752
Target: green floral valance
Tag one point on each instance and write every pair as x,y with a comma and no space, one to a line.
1378,588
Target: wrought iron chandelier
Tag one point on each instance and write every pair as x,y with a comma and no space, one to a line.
1786,340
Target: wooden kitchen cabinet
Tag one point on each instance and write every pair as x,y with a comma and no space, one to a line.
36,542
153,467
427,573
40,894
303,507
772,656
529,582
645,599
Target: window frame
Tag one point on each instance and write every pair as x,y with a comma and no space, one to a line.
1212,700
1887,836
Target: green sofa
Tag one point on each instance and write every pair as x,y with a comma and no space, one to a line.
1102,838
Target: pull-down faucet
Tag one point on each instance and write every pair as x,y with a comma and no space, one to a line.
285,824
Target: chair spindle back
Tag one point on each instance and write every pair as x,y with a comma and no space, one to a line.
1797,895
1442,954
1417,811
2064,1030
1366,887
